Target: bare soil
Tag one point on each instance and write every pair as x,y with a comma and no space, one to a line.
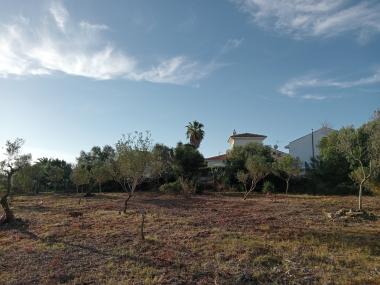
204,239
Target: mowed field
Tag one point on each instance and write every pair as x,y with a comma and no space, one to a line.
203,239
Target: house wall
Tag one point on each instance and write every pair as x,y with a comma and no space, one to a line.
215,163
244,141
302,148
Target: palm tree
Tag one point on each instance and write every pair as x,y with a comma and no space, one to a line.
195,133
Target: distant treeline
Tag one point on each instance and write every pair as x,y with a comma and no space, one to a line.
348,160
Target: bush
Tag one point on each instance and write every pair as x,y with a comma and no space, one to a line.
171,188
268,187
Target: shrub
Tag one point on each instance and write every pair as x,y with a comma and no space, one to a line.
268,187
171,187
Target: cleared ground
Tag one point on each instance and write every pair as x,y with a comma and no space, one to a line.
198,240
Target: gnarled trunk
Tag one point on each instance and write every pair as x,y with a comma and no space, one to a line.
8,215
360,195
126,202
253,186
142,225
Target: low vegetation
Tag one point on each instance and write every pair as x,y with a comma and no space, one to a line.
205,239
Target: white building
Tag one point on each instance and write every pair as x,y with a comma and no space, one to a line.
234,140
307,147
244,139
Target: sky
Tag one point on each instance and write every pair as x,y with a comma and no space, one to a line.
74,74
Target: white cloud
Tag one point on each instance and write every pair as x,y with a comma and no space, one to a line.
295,86
178,70
313,97
231,44
315,18
79,49
89,26
60,14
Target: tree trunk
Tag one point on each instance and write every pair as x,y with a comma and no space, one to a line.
100,187
360,195
9,184
142,225
253,186
8,215
287,186
126,202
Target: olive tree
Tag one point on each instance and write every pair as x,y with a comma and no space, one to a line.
100,174
80,176
361,148
287,167
133,163
13,162
257,169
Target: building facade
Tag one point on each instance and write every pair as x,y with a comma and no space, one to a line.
234,140
307,146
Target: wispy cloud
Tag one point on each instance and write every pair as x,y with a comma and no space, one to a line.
178,70
313,97
315,18
296,86
59,13
96,27
231,44
61,45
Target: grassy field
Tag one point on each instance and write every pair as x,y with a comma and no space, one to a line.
198,240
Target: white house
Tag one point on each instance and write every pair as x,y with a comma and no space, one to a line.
244,139
307,146
234,140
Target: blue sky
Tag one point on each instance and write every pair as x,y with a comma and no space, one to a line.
74,74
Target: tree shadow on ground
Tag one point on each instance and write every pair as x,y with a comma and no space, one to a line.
22,226
363,241
184,203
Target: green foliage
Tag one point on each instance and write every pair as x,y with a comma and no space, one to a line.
188,161
238,156
219,178
23,179
163,157
95,163
258,167
50,174
287,167
357,147
243,177
134,161
80,176
268,187
14,161
346,156
329,172
171,188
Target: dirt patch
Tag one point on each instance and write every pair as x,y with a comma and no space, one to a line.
196,240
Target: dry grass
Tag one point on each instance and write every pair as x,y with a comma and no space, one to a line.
199,240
